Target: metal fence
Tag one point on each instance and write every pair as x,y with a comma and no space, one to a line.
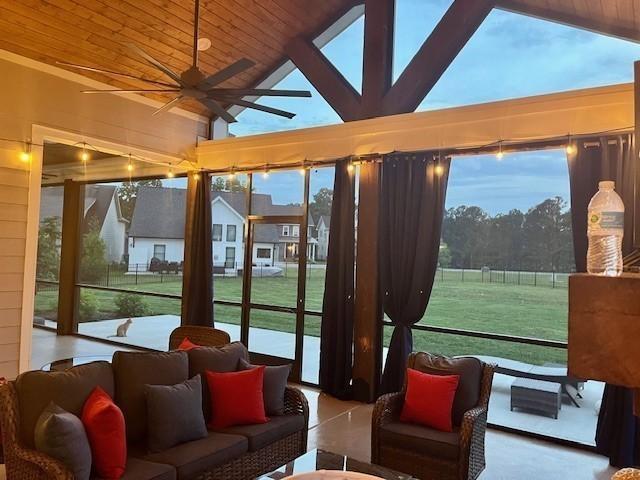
132,274
511,277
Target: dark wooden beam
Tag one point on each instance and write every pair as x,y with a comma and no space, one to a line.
70,254
377,69
436,53
367,325
331,84
591,23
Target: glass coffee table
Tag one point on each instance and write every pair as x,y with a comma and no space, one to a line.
315,460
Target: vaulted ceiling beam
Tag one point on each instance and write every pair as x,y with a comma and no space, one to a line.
377,69
437,52
331,84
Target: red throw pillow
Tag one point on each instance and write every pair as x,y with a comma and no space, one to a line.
236,398
187,345
104,424
429,399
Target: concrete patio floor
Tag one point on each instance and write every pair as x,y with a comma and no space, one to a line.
573,423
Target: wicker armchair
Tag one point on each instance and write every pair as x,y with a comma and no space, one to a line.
205,336
467,460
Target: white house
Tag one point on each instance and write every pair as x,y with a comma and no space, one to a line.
157,230
101,210
322,230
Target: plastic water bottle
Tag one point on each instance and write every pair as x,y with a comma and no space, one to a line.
605,229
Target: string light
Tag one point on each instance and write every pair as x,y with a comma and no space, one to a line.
500,154
196,176
302,171
265,174
170,173
84,155
25,155
350,168
570,148
439,169
232,174
130,164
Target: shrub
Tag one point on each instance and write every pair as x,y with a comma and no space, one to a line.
93,264
88,307
131,305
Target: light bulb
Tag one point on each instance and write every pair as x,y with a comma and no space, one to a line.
350,168
232,175
170,173
25,157
265,174
500,155
302,171
196,176
570,149
130,165
84,156
439,170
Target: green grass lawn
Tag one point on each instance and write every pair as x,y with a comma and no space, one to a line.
521,310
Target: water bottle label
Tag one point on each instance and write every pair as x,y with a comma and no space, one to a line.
605,221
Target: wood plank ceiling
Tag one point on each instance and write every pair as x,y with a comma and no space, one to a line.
94,32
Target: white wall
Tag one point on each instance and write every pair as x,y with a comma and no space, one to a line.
113,234
222,213
33,95
141,250
263,261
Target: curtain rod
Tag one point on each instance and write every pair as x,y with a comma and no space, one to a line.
505,145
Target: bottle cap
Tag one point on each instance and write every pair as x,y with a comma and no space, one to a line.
606,185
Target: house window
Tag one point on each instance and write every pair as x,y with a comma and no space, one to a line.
216,232
159,252
231,233
285,230
263,253
230,258
296,231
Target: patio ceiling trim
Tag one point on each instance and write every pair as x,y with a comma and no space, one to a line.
528,119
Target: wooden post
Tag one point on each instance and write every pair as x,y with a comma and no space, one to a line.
367,327
636,152
70,255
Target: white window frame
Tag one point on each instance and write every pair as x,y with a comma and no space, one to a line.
295,231
213,238
285,230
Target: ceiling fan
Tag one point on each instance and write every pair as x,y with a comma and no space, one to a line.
193,83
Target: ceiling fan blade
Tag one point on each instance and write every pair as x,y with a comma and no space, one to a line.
160,66
166,90
216,108
119,74
256,106
226,73
169,105
259,92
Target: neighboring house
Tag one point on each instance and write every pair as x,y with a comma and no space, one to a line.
157,229
101,210
322,229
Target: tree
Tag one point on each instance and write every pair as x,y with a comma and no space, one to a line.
93,263
321,204
128,192
228,184
444,256
465,233
48,261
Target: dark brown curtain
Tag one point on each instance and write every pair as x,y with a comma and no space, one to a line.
411,208
197,285
336,332
607,158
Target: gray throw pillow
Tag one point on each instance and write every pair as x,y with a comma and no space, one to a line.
174,414
61,435
274,385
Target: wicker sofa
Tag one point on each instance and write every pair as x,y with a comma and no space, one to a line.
236,453
428,454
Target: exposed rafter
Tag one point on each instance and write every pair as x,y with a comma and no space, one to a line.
437,52
331,84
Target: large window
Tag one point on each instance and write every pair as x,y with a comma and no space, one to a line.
131,261
216,232
231,233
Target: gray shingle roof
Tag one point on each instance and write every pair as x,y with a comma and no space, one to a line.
160,212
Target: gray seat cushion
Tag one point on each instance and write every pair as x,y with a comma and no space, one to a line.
61,435
217,359
421,439
264,434
174,414
68,389
192,458
138,469
468,368
132,371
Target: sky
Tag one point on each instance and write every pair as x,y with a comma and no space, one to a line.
509,56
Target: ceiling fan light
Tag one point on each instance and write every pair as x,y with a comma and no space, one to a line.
204,44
